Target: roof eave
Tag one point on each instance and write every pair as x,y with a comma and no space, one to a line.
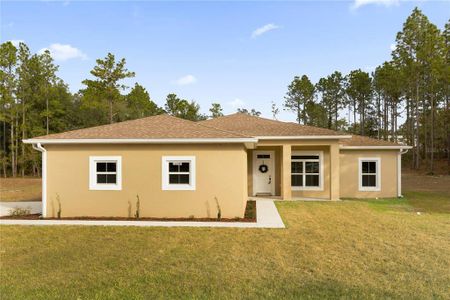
400,147
304,137
142,141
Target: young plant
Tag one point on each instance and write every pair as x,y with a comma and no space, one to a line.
219,211
138,207
58,214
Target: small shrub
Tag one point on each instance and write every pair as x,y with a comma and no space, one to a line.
191,217
138,207
18,211
219,210
58,213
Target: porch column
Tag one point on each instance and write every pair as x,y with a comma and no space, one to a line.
334,172
286,189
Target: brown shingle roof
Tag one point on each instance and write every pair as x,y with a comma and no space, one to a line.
358,140
155,127
257,126
237,125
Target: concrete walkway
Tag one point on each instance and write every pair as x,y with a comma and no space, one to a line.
267,217
35,207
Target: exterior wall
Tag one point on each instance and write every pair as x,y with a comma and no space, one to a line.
347,166
349,173
297,145
221,171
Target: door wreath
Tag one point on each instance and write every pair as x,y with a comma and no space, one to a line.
263,168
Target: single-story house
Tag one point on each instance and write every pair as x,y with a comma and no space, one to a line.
181,168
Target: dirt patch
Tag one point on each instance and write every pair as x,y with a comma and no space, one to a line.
413,182
249,216
441,167
20,189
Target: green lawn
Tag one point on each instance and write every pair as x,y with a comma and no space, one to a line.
350,249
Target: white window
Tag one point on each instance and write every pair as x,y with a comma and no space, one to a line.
178,173
105,172
369,174
307,170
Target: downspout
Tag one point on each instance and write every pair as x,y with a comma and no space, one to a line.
41,149
399,172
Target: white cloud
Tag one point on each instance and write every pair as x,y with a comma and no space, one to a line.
16,42
64,52
185,80
266,28
359,3
393,47
236,103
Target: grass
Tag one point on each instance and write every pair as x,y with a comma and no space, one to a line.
349,249
20,189
429,202
421,202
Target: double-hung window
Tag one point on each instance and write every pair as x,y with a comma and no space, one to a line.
178,172
369,174
105,173
306,171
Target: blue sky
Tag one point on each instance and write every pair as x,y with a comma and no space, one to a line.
240,54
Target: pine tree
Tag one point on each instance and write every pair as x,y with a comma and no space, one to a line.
107,84
216,110
332,93
300,93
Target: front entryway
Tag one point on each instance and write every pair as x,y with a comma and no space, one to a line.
263,173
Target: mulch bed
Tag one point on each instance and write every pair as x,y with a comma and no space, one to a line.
22,217
249,216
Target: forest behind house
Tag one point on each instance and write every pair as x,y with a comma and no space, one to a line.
406,99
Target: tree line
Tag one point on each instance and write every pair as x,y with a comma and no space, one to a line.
412,88
35,101
406,99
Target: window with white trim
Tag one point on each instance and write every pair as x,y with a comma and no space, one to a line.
306,171
178,173
369,174
105,173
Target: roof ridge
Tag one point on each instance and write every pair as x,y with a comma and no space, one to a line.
250,116
273,121
210,127
218,129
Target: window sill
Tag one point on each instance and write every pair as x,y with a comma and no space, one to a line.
317,189
370,189
178,187
110,187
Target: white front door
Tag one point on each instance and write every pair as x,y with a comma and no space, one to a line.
263,173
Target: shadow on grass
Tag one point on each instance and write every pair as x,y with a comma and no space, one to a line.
433,202
428,202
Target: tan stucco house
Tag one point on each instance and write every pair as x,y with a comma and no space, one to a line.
181,168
